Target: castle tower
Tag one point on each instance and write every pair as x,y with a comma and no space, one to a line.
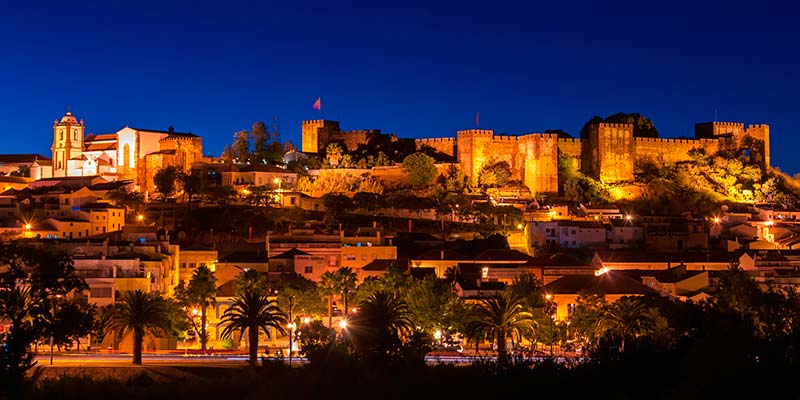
754,140
474,149
317,133
67,143
610,152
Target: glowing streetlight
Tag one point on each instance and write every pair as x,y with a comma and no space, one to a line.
306,320
343,324
520,226
601,271
27,227
628,217
716,220
140,218
195,312
437,334
548,296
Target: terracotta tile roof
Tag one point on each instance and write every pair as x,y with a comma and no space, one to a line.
612,282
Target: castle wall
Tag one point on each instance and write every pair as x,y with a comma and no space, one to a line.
533,159
761,132
442,145
573,148
352,139
670,150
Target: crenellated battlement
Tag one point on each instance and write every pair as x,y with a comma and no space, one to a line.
476,133
435,140
570,141
609,152
617,126
729,124
668,140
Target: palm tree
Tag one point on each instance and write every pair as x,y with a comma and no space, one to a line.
626,318
202,292
252,310
140,312
381,322
340,282
497,317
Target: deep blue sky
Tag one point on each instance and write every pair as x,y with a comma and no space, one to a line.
417,69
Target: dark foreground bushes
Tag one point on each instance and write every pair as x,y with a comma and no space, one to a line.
634,376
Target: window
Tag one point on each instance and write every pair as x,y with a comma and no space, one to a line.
183,265
202,265
292,200
309,270
485,273
102,292
191,265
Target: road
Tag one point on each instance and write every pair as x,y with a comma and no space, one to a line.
176,360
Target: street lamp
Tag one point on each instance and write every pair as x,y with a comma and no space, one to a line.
53,309
343,324
291,327
140,218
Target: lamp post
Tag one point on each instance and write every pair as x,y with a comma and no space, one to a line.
52,327
549,310
291,328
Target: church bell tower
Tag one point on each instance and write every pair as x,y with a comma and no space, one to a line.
67,144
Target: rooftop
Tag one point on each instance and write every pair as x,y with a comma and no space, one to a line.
612,282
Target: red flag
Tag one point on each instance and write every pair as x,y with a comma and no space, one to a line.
318,103
478,119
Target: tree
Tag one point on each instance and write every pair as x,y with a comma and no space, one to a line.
252,311
528,288
432,306
23,313
36,299
589,308
625,319
241,147
260,136
141,313
192,184
376,331
306,299
494,174
420,168
333,154
120,197
228,155
200,292
497,318
340,282
164,180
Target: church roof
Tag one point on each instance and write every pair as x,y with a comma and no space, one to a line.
69,118
171,133
92,137
91,146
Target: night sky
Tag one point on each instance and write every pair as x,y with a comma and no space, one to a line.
415,69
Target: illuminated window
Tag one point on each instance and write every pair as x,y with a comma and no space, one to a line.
485,273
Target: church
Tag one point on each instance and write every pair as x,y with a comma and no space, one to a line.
129,154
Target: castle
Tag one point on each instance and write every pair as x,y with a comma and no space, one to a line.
610,152
130,153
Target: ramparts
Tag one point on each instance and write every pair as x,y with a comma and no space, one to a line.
446,145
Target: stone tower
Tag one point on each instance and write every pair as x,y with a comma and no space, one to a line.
67,143
611,152
317,133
